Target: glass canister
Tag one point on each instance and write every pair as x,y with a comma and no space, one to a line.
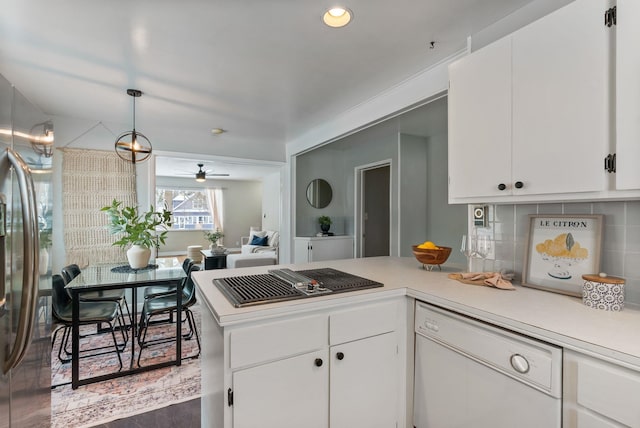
605,292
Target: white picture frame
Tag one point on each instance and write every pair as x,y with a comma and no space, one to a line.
560,249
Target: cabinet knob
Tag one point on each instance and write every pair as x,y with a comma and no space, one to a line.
340,355
501,186
318,362
519,184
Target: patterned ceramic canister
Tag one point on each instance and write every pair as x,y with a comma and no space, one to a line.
603,292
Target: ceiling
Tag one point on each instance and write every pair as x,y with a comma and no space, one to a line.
243,170
427,120
265,71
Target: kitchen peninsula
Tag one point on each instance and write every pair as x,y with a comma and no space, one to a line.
253,355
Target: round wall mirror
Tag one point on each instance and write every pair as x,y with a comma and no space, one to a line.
319,193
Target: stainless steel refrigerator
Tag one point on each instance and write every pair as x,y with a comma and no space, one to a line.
25,278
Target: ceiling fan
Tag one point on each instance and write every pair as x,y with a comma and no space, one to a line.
201,175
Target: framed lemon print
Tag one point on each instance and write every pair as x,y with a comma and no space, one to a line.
560,249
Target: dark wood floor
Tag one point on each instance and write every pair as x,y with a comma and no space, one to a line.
183,415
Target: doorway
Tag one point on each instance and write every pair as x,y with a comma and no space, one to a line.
375,210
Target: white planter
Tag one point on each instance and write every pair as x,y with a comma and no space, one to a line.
138,256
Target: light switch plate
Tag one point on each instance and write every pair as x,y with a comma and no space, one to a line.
480,215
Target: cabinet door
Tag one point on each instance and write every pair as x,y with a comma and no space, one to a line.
628,95
364,383
562,100
595,391
301,254
331,249
480,122
290,393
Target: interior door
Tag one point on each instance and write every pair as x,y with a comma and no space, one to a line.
376,207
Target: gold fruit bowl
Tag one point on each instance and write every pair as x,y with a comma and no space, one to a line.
431,256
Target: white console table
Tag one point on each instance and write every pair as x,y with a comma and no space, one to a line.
320,248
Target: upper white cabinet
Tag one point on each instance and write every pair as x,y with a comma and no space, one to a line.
529,115
561,100
627,95
480,122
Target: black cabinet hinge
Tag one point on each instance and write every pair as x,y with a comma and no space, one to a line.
610,163
611,17
230,397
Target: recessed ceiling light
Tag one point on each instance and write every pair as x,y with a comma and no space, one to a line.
218,131
337,17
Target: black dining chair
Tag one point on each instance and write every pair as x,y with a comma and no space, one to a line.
167,304
160,290
69,272
90,313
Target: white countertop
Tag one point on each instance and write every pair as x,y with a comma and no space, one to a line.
553,317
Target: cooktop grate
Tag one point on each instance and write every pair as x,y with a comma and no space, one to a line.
254,289
250,290
339,281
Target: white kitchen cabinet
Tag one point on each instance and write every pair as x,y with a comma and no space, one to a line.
480,122
533,117
599,394
363,380
289,393
627,95
561,100
321,248
345,371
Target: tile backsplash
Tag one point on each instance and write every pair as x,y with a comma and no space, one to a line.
620,241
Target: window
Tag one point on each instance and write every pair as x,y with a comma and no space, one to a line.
190,208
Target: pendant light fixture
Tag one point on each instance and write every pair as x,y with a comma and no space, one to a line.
133,146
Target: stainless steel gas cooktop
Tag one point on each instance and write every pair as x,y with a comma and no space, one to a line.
285,284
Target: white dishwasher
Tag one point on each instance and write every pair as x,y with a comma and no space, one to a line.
471,374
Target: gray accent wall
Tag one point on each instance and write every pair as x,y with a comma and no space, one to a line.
419,177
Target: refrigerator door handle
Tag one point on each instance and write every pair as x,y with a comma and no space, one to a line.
9,158
3,228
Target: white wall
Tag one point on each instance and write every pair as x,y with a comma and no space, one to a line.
271,197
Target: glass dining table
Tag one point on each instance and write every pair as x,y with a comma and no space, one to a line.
110,276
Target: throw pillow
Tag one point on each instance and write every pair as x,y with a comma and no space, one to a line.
259,241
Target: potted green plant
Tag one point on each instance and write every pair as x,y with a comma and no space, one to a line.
141,231
213,238
325,223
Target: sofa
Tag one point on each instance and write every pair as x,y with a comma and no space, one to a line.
260,241
253,259
260,248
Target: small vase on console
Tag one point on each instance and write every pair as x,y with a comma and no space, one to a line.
217,249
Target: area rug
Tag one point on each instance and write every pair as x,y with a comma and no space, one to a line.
102,402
